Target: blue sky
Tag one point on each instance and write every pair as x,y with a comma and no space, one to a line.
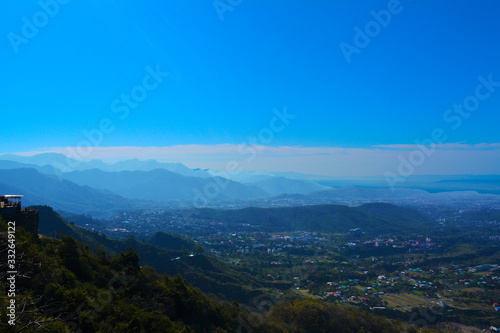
226,76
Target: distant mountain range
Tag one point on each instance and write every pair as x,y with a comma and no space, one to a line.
160,184
101,189
65,164
206,272
152,180
41,189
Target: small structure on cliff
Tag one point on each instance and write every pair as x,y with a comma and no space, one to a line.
10,210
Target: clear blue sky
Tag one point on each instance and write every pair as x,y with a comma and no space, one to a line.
226,76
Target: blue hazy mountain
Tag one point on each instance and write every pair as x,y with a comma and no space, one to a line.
46,169
274,182
149,165
161,189
162,184
242,184
41,189
66,164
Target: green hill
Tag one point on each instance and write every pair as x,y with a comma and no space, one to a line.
167,253
379,218
172,242
66,287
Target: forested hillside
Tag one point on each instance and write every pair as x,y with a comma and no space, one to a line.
167,254
377,218
63,286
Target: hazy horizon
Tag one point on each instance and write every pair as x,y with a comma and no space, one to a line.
227,161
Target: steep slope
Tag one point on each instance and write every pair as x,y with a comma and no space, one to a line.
169,254
64,287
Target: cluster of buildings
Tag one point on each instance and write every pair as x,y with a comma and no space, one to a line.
412,245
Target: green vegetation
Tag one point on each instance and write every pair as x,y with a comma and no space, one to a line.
63,286
377,218
320,317
171,242
167,253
